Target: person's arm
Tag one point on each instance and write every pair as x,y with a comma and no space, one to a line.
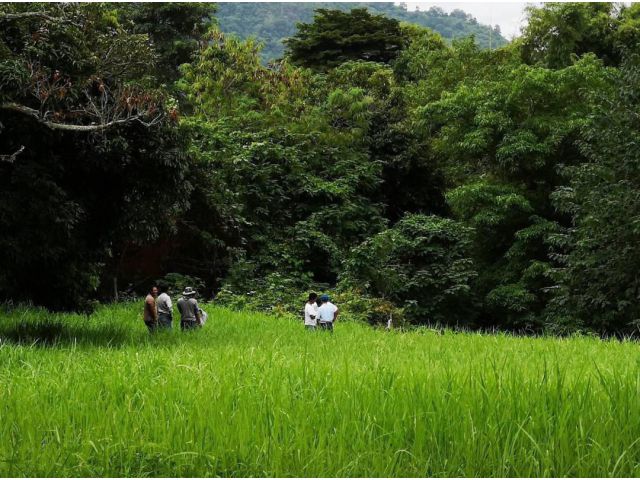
197,311
169,304
150,305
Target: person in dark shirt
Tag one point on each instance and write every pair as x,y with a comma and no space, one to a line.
150,315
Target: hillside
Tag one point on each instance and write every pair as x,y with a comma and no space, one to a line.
273,22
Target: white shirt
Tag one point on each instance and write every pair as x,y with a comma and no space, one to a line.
326,312
163,303
310,309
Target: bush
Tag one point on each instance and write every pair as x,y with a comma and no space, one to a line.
178,282
513,304
421,264
283,296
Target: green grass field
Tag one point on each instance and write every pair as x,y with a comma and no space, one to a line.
253,395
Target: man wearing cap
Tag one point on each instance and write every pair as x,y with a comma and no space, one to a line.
188,308
327,313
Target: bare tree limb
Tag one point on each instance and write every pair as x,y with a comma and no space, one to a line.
20,16
33,113
8,17
12,158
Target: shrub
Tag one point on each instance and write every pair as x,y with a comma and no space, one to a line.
178,282
421,264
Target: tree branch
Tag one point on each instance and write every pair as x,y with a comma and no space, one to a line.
12,158
20,16
8,17
33,113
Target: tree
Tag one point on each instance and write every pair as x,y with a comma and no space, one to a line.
287,152
175,30
423,264
509,251
95,150
70,68
559,32
335,37
598,283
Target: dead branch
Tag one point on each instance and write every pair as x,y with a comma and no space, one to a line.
12,158
35,114
9,17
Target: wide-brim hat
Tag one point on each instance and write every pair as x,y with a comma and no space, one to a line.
188,292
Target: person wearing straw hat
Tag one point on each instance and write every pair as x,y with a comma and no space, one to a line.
188,308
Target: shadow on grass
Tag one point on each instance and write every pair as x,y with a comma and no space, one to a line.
48,332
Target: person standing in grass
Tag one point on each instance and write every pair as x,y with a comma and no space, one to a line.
311,312
150,315
164,307
327,313
188,308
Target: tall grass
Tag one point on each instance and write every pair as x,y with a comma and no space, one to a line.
253,395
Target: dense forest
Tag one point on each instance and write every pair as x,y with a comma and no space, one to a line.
442,183
272,23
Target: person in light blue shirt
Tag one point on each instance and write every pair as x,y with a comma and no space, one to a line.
327,313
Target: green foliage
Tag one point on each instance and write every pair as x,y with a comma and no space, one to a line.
558,33
599,256
177,282
291,170
518,124
422,263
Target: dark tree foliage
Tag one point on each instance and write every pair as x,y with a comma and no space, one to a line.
70,204
423,264
174,29
599,284
89,153
336,37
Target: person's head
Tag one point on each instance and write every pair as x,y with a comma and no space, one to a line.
154,291
189,292
313,297
324,298
163,287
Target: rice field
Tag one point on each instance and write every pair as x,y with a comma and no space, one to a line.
254,395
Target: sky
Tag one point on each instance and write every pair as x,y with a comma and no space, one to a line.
510,16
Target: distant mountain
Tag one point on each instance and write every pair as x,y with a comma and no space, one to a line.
273,22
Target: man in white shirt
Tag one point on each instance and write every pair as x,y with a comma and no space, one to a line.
311,312
327,313
164,306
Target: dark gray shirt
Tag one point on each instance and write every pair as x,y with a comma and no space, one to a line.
188,308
